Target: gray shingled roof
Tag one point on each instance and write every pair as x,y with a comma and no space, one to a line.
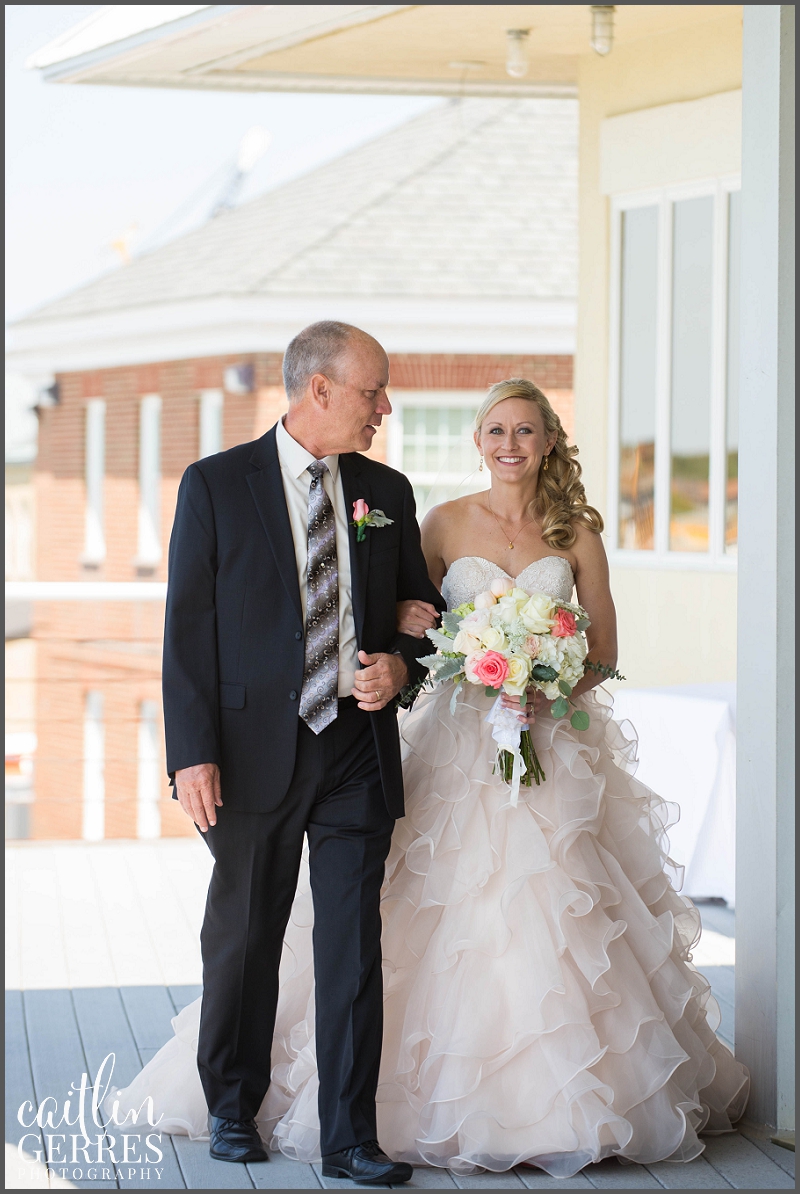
476,198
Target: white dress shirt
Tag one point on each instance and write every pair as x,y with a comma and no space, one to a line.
294,461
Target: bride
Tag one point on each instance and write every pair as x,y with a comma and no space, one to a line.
540,1002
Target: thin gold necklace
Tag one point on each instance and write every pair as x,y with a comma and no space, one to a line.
497,520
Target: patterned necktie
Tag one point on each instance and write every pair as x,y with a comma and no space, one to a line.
318,698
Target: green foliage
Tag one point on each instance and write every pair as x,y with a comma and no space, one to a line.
560,708
603,669
409,694
377,518
565,688
462,610
579,720
540,671
449,669
450,623
443,641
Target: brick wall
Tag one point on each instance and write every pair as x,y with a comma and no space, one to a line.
114,647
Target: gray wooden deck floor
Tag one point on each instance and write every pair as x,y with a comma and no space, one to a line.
54,1035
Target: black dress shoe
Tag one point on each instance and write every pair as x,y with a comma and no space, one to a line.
236,1140
366,1163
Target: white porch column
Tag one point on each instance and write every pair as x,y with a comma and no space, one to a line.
765,715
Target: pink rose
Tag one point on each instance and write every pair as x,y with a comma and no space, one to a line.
564,625
501,585
360,510
485,601
491,670
532,645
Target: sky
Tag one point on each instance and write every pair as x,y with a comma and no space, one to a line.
87,166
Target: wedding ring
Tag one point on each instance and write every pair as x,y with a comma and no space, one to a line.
377,694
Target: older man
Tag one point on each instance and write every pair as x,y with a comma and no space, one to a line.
281,666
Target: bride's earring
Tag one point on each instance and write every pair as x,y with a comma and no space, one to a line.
546,463
480,466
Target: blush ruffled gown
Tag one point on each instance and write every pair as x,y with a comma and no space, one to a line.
540,1001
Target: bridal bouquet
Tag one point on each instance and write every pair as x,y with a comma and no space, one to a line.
510,640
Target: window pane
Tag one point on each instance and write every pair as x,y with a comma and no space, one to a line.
638,377
732,376
691,373
439,456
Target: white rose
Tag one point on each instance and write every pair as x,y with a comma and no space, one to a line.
517,680
507,609
493,639
520,596
484,601
501,586
476,621
537,613
466,642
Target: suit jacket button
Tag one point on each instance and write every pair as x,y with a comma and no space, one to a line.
298,634
293,695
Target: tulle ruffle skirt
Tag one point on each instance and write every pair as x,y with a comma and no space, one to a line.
540,1002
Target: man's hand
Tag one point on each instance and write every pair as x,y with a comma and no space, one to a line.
198,791
380,680
415,617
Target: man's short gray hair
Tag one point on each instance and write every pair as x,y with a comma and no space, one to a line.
316,349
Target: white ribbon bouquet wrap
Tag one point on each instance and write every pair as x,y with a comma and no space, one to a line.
509,640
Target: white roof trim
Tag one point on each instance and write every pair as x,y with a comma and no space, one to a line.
234,325
125,31
112,24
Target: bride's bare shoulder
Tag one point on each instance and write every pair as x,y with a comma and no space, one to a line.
452,514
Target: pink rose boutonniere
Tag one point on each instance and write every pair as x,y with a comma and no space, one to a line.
363,517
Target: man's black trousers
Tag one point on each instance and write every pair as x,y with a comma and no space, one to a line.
336,798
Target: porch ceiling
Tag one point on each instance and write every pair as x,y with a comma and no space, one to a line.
423,49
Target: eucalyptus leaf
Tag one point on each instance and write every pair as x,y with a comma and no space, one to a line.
560,708
579,720
450,623
565,688
540,671
490,692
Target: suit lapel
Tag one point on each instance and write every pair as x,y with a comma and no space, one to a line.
355,486
266,486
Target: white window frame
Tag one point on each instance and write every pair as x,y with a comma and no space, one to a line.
405,399
716,559
212,412
148,778
149,541
94,762
94,542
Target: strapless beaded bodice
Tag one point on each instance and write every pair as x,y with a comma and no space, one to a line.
470,575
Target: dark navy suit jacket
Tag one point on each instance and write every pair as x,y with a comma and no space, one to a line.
234,634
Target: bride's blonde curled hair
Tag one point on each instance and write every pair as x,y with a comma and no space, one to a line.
560,497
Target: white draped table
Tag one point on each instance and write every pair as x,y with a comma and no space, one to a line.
687,754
